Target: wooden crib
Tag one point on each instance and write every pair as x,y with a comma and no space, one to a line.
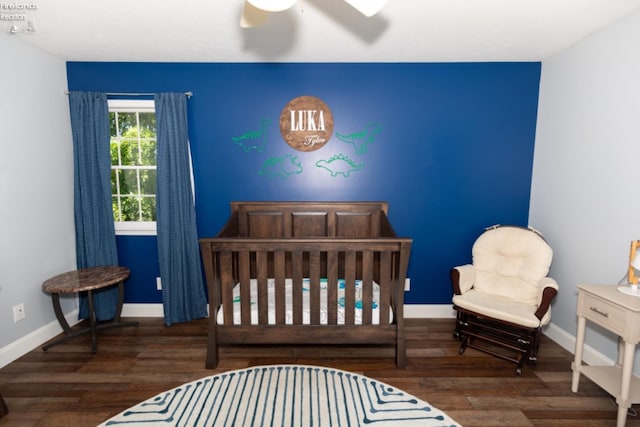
306,273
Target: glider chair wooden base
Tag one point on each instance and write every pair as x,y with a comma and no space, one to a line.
504,298
501,339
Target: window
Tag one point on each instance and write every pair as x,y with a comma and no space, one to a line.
133,165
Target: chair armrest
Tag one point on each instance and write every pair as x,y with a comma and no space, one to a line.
462,278
548,291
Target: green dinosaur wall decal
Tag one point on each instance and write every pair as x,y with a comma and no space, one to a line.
253,140
340,165
361,140
281,166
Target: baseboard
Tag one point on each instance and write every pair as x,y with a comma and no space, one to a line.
143,310
590,356
429,311
24,345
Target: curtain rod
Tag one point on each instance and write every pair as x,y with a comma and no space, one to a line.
188,94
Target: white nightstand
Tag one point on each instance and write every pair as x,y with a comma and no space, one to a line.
620,314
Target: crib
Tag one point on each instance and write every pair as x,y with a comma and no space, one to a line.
306,273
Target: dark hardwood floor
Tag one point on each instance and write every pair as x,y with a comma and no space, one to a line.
68,386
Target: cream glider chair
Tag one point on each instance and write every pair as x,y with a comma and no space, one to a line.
503,299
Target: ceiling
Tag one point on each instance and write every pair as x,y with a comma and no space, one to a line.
314,30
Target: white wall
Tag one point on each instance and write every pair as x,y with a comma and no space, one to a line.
36,188
585,193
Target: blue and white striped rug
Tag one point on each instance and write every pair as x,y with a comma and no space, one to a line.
283,395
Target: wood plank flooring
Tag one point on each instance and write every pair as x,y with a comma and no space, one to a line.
68,386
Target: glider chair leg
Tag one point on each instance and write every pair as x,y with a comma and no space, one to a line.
464,344
508,342
460,324
460,333
535,346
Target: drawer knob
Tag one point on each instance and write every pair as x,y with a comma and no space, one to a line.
601,313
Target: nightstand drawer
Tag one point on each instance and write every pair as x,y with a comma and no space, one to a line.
604,313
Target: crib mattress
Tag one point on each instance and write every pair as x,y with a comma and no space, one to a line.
375,312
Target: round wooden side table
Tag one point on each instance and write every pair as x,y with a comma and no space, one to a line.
87,280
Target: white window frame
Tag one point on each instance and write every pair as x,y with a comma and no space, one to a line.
133,228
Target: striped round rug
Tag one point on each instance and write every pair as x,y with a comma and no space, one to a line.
283,395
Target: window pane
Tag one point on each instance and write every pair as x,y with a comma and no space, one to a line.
129,182
130,208
149,153
134,152
112,124
148,122
113,147
116,209
126,151
128,124
114,184
124,188
148,208
148,182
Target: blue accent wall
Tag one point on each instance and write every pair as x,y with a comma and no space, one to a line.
454,153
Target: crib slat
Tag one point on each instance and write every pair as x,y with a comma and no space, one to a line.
279,273
226,286
314,297
297,276
349,287
385,286
332,288
245,288
367,287
262,276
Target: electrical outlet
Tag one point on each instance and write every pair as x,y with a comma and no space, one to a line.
158,283
18,312
407,284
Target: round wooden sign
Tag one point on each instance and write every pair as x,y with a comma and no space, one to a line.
306,123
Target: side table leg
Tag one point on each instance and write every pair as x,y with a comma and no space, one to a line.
55,300
117,322
625,386
577,361
620,359
68,332
116,317
92,320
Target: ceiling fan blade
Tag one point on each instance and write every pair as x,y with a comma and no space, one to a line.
272,5
252,16
367,7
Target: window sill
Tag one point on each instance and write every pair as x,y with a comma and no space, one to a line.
135,228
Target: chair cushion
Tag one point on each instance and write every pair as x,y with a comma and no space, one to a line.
501,308
509,262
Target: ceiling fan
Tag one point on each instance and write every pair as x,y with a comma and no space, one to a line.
256,12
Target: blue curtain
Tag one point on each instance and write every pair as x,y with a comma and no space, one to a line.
95,235
183,293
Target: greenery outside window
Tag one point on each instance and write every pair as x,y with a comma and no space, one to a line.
133,166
